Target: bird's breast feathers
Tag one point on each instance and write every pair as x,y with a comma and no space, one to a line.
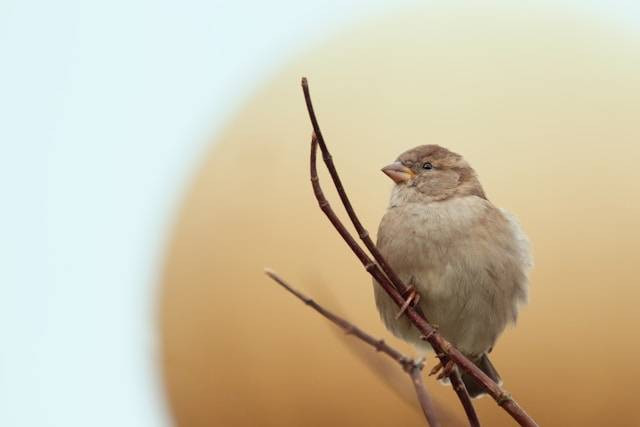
468,259
410,229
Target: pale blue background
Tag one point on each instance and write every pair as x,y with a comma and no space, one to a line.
105,108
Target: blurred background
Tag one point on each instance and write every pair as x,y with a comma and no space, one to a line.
154,160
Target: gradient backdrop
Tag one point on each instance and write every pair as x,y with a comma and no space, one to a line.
153,160
542,101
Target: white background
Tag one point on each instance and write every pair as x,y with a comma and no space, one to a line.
105,108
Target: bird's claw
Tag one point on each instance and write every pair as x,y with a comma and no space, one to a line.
435,369
442,371
411,299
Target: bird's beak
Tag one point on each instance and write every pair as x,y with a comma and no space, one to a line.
398,172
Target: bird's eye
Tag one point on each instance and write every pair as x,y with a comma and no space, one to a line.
427,166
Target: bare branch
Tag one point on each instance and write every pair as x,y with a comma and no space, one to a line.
445,350
411,367
362,232
460,389
421,393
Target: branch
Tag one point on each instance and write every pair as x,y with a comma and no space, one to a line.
461,390
362,232
393,287
414,369
421,393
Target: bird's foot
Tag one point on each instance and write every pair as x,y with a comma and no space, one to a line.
411,298
435,369
443,371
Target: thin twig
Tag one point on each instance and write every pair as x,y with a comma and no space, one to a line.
362,232
421,393
411,367
441,346
461,390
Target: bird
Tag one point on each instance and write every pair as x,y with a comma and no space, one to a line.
466,261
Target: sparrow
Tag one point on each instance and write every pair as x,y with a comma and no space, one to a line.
466,259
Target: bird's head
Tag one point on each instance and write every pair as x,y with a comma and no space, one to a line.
433,173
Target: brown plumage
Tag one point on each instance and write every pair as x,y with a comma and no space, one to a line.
466,258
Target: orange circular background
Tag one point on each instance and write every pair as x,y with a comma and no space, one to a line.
543,103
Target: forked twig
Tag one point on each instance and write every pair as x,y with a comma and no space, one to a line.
411,367
396,289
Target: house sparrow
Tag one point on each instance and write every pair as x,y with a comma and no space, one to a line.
467,259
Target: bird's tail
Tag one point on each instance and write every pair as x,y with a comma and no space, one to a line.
485,365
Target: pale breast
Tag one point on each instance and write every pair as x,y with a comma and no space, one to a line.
468,260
